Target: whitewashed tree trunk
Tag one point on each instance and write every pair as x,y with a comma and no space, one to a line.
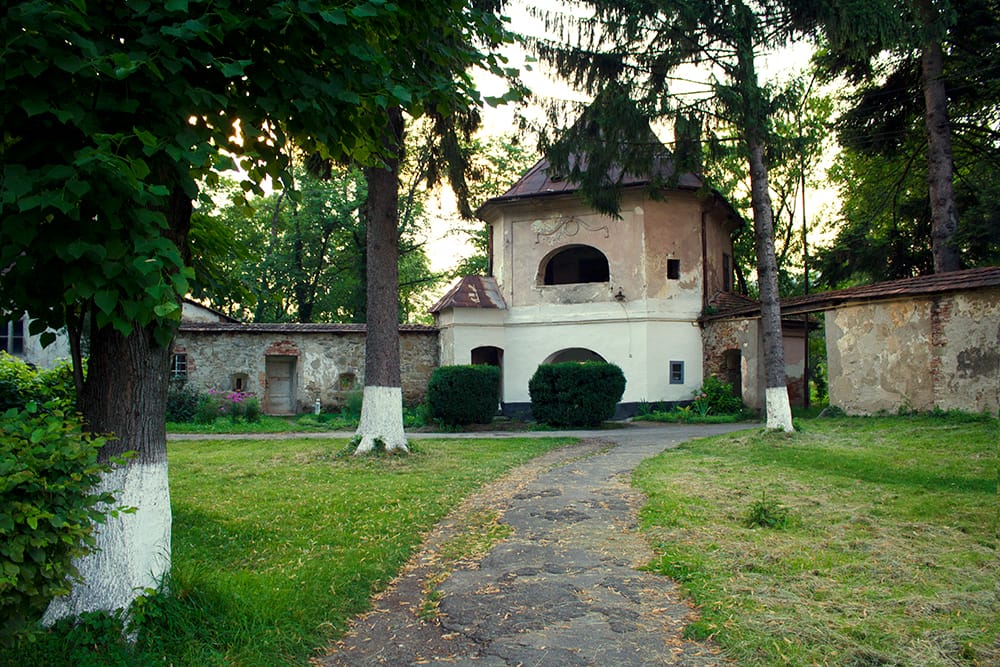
777,406
125,395
133,549
381,420
382,403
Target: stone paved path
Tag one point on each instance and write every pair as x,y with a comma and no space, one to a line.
562,590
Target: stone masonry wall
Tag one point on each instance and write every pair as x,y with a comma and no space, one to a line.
328,366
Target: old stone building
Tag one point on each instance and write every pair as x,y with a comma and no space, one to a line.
291,366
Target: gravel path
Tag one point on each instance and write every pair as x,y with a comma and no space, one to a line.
562,590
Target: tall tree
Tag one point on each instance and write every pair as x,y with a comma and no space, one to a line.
885,168
120,113
920,38
632,53
439,78
801,121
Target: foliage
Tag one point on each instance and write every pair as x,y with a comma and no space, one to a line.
801,136
573,394
48,468
308,246
497,163
182,402
21,384
766,513
278,545
464,394
890,518
717,396
236,406
886,215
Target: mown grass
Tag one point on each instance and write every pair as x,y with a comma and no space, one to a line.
885,554
278,543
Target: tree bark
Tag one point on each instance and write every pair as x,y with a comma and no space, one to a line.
125,394
382,406
944,212
779,413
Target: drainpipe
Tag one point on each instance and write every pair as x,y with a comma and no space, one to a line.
704,261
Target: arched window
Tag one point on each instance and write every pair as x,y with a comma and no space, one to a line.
488,355
576,264
577,354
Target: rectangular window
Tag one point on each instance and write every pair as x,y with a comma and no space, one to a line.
676,372
12,336
674,269
179,366
727,273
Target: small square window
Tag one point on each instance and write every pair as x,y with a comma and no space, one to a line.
676,372
179,366
674,269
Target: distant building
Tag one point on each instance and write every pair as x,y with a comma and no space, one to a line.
17,340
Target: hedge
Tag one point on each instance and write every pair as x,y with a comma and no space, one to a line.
574,394
464,394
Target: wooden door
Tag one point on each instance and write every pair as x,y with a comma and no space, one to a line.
279,397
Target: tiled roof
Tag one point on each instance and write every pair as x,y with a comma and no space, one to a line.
290,327
472,292
938,283
536,182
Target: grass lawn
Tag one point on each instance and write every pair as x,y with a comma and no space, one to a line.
882,550
277,544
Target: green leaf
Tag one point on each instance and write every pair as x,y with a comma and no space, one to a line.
336,16
33,106
106,300
364,11
165,309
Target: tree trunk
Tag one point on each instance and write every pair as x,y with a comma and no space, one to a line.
779,413
125,393
944,212
382,406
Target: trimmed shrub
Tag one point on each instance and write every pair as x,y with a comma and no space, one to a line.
464,394
573,394
48,468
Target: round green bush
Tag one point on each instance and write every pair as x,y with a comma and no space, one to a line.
459,395
574,394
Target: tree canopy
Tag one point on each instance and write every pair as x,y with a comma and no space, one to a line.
887,220
117,114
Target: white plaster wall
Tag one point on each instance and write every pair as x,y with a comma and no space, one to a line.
467,329
640,347
45,357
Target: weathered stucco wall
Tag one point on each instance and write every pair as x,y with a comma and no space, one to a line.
916,354
327,365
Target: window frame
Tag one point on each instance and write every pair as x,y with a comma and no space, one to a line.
675,372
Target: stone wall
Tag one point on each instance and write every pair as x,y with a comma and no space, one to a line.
328,365
922,353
